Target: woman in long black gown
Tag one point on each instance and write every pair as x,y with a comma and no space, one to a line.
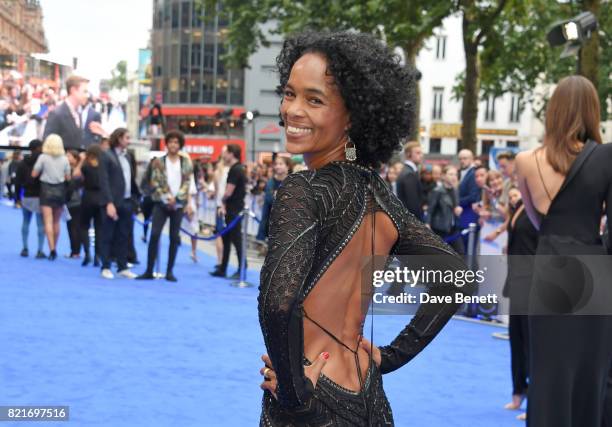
522,243
565,184
346,103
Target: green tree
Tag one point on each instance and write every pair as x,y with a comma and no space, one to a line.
119,76
478,22
519,58
401,23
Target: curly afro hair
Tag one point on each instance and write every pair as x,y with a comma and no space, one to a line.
379,93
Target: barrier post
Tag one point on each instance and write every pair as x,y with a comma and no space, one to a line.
246,213
471,309
471,249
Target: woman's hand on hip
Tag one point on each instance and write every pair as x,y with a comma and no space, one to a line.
367,346
311,372
269,375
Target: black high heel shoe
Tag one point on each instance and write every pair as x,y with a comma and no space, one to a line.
86,261
52,255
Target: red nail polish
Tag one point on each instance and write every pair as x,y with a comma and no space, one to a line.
325,355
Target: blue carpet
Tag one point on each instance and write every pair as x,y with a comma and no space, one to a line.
128,353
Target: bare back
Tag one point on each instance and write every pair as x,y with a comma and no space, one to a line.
542,181
335,303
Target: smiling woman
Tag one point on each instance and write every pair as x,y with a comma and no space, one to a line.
346,103
363,96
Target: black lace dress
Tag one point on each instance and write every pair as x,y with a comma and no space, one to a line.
314,216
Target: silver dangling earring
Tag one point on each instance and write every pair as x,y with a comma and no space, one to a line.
350,152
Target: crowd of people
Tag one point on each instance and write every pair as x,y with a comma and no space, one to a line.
100,189
25,108
448,197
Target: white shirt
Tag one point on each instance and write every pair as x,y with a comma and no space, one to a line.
221,185
75,113
84,113
173,172
412,165
463,172
193,189
127,172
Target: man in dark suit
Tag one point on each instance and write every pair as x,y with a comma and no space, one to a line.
469,191
88,116
409,189
66,120
118,184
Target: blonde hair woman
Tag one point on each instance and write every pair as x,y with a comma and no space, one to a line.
54,170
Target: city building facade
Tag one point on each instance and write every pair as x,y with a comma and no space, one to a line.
204,98
502,121
21,28
264,135
197,93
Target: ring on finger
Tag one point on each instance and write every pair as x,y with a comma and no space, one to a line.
265,373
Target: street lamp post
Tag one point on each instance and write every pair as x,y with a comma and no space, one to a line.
249,117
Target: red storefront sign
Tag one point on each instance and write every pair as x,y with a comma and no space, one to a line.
178,110
207,148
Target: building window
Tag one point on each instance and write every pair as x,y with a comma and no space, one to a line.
167,14
209,57
196,16
207,89
515,109
195,89
184,59
175,15
196,58
486,146
185,21
158,21
220,64
435,145
440,47
436,113
490,109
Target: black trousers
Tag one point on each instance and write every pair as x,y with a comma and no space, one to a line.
74,230
232,237
132,256
147,212
115,235
160,215
10,192
89,213
518,330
